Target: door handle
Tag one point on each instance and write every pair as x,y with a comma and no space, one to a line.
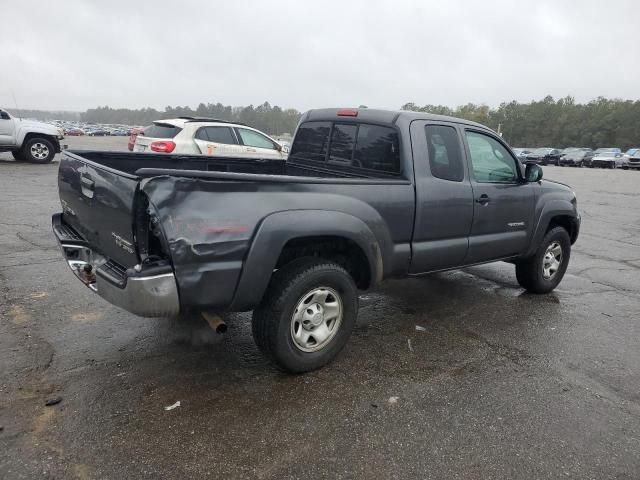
87,186
483,199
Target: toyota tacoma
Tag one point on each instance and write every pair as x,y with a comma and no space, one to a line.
364,196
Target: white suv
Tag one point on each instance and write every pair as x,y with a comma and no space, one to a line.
206,136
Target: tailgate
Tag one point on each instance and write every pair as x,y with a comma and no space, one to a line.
99,203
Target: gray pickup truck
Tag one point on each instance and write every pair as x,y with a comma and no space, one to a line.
365,195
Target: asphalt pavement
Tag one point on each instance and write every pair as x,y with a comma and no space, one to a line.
459,375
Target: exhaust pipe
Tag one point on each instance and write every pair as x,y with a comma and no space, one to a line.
215,322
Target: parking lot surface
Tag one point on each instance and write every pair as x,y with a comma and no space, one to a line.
494,382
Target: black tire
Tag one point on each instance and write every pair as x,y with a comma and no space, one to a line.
38,150
272,320
530,272
18,155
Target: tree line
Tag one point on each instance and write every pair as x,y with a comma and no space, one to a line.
555,123
270,119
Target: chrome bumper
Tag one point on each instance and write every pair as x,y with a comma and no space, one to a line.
152,295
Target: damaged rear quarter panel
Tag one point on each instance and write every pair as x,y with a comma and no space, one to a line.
208,235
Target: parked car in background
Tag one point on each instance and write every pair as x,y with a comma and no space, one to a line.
28,140
207,136
633,161
544,156
97,132
73,132
119,132
632,152
608,158
552,158
522,153
134,132
574,158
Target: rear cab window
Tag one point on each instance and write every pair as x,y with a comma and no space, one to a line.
311,141
445,155
160,130
356,145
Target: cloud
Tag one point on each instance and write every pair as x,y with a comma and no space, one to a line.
315,54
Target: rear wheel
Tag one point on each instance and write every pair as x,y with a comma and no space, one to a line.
544,270
38,150
307,314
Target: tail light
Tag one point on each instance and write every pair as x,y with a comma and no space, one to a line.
162,147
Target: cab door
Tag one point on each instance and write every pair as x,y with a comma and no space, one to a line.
218,141
444,198
258,145
503,205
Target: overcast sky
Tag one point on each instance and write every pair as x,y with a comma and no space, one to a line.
75,55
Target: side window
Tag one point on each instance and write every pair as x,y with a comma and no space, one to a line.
311,141
343,139
255,139
377,148
490,161
445,156
216,135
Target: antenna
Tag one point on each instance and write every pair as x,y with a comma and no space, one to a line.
16,104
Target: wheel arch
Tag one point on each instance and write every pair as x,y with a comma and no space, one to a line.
49,137
284,236
555,214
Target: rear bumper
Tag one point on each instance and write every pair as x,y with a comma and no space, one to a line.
153,293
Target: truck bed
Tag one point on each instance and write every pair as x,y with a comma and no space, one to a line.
147,165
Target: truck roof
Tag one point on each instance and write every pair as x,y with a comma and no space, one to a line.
380,116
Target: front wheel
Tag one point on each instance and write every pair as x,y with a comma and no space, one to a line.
307,314
38,150
544,270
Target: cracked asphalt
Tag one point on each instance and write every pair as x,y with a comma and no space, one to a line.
495,383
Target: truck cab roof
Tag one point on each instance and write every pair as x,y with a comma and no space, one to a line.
375,115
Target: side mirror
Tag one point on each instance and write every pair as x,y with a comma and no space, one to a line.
278,147
532,173
5,116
